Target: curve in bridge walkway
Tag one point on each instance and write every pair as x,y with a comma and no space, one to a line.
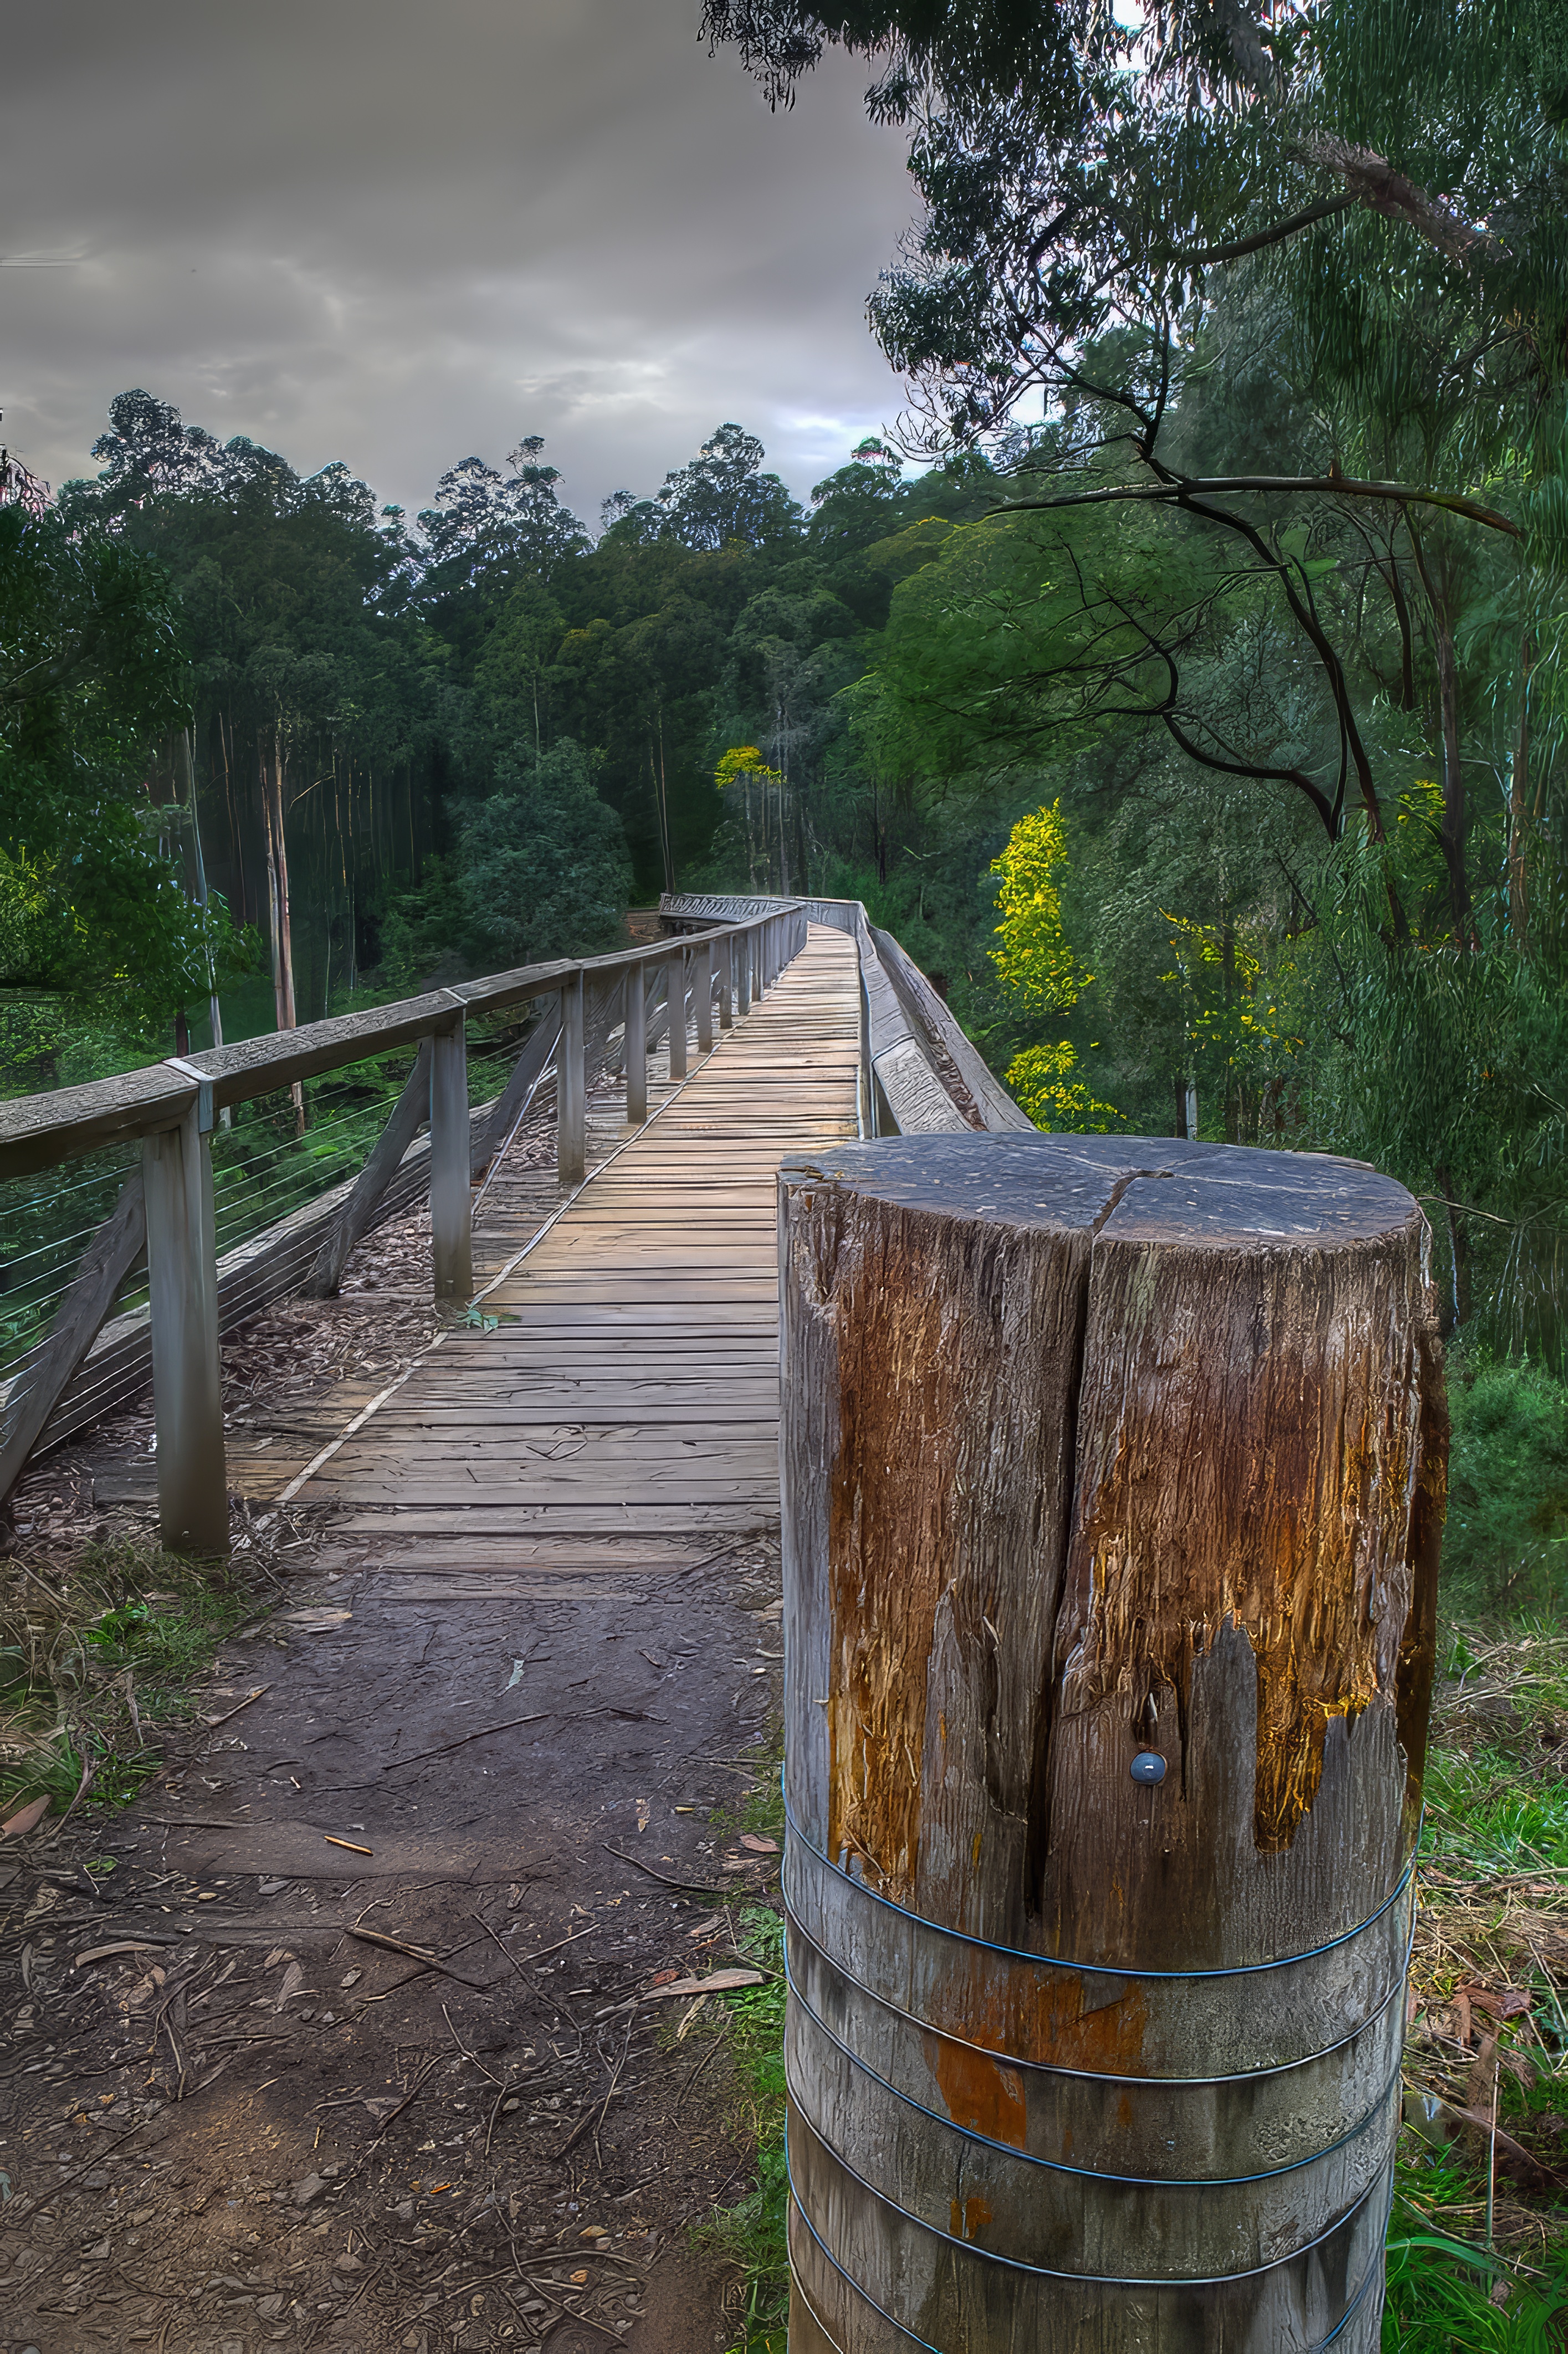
627,1402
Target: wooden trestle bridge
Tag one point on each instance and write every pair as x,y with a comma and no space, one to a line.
1112,1484
630,1387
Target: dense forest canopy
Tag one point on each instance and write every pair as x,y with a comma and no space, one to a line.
1199,622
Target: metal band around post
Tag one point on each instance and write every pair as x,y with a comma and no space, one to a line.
1317,2346
1102,1969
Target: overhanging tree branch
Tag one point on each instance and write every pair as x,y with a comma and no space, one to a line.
1239,247
1331,485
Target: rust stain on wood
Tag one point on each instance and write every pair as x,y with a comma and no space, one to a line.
1028,2014
969,2218
982,2095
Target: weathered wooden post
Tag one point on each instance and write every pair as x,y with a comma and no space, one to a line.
676,988
724,951
740,949
703,965
1113,1476
571,1088
187,1378
451,1217
636,1045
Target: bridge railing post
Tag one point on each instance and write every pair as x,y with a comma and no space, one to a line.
636,1045
704,964
676,969
1112,1475
726,951
571,1088
740,949
451,1216
187,1375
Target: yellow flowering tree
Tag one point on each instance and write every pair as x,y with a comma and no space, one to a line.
1236,1039
763,809
1040,973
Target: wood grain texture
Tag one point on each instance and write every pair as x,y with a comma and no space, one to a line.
1092,1446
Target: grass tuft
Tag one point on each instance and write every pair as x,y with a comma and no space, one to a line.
94,1660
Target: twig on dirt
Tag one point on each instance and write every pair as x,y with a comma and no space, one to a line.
687,1887
28,2205
547,2001
587,2117
88,1773
212,1722
420,2081
556,1949
462,2047
417,1954
464,1738
697,2070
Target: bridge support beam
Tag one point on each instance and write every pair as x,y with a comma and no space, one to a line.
1112,1477
187,1375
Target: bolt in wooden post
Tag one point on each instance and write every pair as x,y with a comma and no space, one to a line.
571,1088
676,988
702,969
187,1383
636,1045
452,1218
1113,1476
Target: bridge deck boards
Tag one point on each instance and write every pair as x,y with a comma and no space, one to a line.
630,1388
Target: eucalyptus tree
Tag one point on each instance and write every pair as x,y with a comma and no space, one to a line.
1396,173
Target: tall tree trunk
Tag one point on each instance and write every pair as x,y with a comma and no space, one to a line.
1454,827
278,904
1459,1255
1517,799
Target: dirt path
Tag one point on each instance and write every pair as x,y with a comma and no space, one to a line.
366,2039
258,2128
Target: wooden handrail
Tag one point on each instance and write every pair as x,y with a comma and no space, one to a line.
172,1106
38,1131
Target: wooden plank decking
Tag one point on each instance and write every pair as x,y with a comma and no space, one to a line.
630,1390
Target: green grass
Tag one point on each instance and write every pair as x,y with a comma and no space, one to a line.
752,2232
1445,2296
93,1662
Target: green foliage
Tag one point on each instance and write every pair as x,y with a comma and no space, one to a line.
1505,1545
91,670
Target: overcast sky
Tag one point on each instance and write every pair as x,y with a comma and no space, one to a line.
397,231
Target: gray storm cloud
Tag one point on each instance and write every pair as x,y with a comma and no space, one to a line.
393,233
